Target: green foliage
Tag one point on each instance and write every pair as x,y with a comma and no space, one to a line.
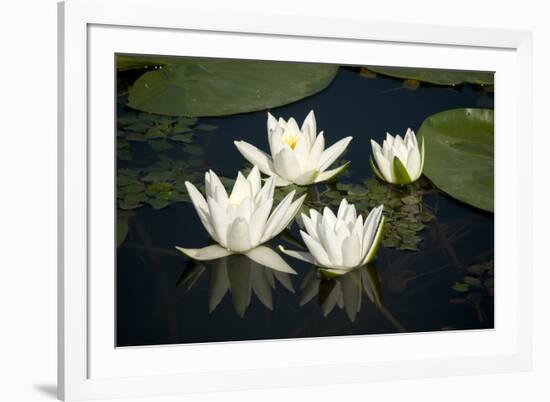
459,154
435,76
209,87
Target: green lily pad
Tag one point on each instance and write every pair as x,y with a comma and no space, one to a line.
129,62
459,154
207,87
436,76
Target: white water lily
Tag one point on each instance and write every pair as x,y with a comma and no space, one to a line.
340,243
241,222
298,155
398,160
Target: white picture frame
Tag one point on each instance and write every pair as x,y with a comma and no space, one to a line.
91,32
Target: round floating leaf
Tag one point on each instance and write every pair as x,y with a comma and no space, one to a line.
436,76
459,154
225,87
129,62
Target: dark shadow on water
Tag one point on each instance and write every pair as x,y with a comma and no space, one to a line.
49,390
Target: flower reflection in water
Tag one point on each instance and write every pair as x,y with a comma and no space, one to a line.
345,291
240,276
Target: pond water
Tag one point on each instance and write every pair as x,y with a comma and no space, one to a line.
416,284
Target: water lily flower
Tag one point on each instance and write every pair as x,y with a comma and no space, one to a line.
241,222
298,155
340,243
398,160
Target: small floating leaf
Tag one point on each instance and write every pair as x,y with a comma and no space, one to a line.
187,138
461,287
159,146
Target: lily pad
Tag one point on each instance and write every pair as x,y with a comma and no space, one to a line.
459,154
129,62
436,76
206,87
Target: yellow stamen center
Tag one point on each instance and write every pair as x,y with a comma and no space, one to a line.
290,140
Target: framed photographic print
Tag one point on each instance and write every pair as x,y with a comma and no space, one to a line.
249,204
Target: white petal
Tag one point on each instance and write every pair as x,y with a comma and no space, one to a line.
256,157
315,216
254,180
299,255
410,138
375,242
238,236
280,182
315,152
330,174
241,190
351,250
332,153
375,147
301,151
242,210
383,164
388,143
277,217
422,155
269,258
271,122
310,226
351,214
315,248
266,193
331,245
329,219
217,190
358,228
309,126
370,227
342,231
286,165
291,127
219,221
288,216
201,207
342,208
306,178
413,163
275,143
258,222
212,252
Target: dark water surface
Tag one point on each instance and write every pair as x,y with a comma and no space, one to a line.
164,298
